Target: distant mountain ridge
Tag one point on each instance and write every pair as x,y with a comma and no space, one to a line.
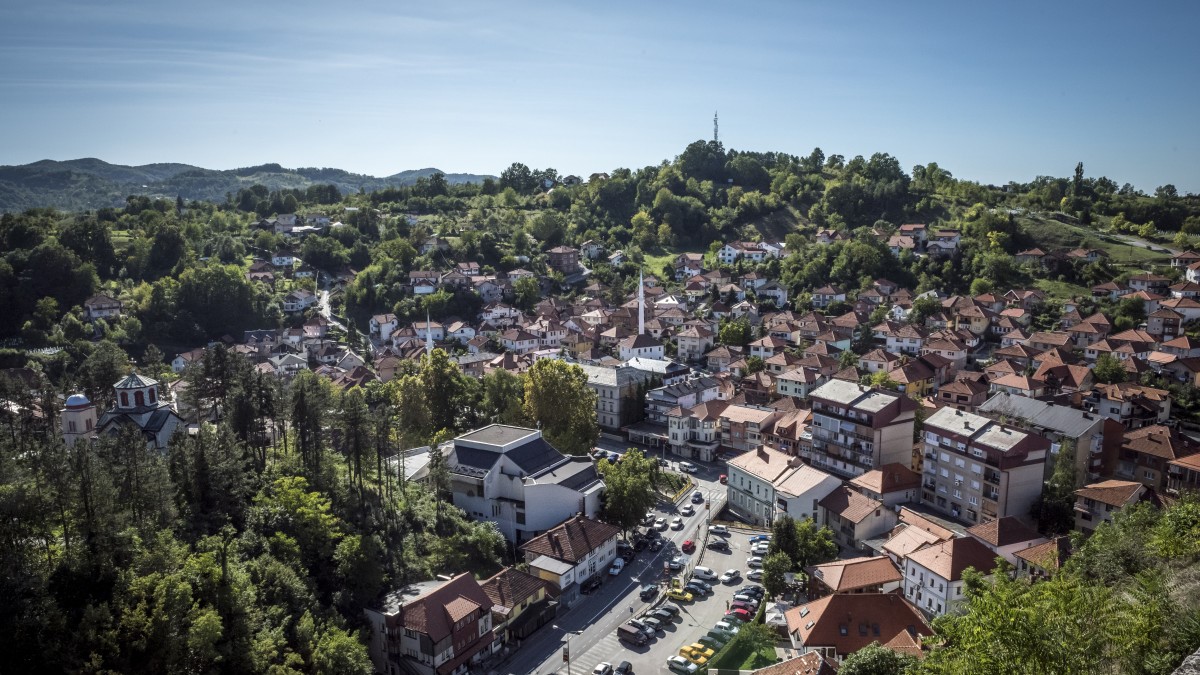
91,183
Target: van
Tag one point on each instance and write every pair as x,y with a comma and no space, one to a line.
703,573
633,636
687,467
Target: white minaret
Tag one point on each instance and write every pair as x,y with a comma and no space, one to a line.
428,334
641,304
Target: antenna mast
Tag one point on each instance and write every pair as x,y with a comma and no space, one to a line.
714,126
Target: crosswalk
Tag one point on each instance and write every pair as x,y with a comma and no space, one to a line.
608,648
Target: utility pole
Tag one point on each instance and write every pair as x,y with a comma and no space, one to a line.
715,137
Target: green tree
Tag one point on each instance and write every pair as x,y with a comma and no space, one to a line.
502,398
815,544
734,332
559,400
1109,370
528,292
875,659
757,638
340,653
629,490
775,566
754,364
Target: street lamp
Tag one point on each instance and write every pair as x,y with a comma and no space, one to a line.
567,648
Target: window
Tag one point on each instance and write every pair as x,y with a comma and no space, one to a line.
124,400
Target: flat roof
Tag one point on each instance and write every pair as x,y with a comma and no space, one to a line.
497,436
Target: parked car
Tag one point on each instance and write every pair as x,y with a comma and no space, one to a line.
730,576
676,563
696,589
624,668
743,604
670,607
602,669
660,523
754,561
643,628
719,530
727,626
687,467
755,575
740,613
719,545
677,523
724,479
711,642
687,653
761,548
678,664
680,595
592,583
698,648
687,510
618,566
648,592
760,537
704,573
663,615
745,598
697,497
632,635
652,623
753,590
688,546
649,519
613,457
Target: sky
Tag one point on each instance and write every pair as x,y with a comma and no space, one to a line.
993,92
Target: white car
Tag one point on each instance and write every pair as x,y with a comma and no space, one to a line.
617,566
677,523
760,549
687,467
703,573
719,530
754,561
755,575
603,669
727,626
687,510
678,664
660,524
729,576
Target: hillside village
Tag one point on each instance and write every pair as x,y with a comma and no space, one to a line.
928,424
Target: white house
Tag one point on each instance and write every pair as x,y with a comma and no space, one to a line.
933,574
298,301
571,553
639,346
511,476
382,325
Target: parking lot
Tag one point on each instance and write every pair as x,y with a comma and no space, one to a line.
695,618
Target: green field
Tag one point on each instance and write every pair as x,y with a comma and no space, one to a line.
1051,234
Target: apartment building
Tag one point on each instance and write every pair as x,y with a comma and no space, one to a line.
745,427
856,428
1092,438
977,470
765,484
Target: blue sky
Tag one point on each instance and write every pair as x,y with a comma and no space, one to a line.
990,91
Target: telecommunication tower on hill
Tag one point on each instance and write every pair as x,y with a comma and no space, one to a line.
715,126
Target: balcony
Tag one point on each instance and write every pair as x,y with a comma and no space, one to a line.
991,477
930,485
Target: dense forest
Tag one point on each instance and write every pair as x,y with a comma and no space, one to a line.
253,544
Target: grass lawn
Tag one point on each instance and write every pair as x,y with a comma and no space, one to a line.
740,657
1053,234
1061,289
671,482
653,264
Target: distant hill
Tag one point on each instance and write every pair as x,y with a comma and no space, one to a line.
91,183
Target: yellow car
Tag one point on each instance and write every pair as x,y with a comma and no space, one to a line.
698,659
676,594
700,650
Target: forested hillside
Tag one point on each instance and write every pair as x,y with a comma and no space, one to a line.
92,183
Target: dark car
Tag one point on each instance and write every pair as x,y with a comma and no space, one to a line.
719,545
613,457
646,630
590,585
656,545
670,607
695,588
663,615
639,543
649,592
697,497
624,668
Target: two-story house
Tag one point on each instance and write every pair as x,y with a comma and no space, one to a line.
571,553
875,574
1146,454
1129,403
695,432
511,476
854,518
840,624
745,427
521,604
101,306
437,627
1099,502
616,394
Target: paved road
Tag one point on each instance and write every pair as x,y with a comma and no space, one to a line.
591,625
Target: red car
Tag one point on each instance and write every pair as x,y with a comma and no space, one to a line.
740,614
689,546
724,479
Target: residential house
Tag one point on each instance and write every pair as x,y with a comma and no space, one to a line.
1146,454
798,493
1131,404
1183,474
512,477
942,243
695,432
745,427
978,470
891,484
827,295
875,574
101,306
424,282
1099,502
933,575
854,517
616,394
639,346
1043,560
750,483
521,604
693,342
1006,536
298,301
563,259
431,628
799,382
963,394
571,553
840,624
